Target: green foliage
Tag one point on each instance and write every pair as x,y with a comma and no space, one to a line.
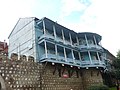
98,87
116,64
113,88
118,54
117,74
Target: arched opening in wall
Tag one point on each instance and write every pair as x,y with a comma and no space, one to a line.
2,83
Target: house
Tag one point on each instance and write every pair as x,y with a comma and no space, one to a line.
61,50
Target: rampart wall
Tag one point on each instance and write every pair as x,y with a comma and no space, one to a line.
25,74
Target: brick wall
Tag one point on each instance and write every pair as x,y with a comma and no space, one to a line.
25,74
91,76
58,77
20,74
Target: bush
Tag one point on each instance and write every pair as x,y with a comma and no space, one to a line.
100,87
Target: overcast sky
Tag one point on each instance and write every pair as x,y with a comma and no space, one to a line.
98,16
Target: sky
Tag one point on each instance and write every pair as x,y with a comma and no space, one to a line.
97,16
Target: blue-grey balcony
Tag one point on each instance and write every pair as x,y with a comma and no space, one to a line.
93,63
51,38
89,40
58,59
90,46
46,36
61,59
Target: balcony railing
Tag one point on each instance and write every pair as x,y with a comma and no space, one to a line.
70,60
61,59
46,36
93,63
90,46
50,56
56,59
58,39
85,63
78,62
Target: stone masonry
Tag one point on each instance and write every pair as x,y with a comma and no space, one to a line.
25,74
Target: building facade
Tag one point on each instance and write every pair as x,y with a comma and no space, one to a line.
49,41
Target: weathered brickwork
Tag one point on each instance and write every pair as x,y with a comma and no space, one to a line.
91,77
20,74
25,74
58,77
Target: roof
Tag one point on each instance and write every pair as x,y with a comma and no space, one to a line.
108,52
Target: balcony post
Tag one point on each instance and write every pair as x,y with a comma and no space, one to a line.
98,57
86,40
45,49
65,54
95,41
54,30
79,56
90,56
44,27
73,55
45,41
56,52
63,36
77,40
70,38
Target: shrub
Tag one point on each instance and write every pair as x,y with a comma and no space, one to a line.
98,87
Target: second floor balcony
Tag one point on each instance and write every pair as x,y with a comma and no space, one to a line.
90,46
81,45
57,39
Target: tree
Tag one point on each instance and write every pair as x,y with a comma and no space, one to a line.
116,64
118,54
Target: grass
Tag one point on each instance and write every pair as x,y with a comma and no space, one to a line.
113,88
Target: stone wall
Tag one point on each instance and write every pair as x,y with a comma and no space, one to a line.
25,74
20,74
58,77
91,76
